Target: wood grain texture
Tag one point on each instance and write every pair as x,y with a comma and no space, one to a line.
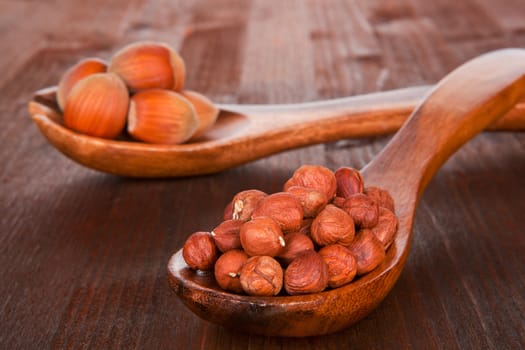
83,254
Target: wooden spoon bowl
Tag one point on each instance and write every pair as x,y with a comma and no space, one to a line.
242,133
458,108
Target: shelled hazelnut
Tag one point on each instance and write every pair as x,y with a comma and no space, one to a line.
262,236
200,252
342,265
307,273
261,276
314,176
363,210
228,270
227,235
300,241
284,208
295,244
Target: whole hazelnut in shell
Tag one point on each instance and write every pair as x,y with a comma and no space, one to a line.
262,236
367,250
282,207
97,106
227,235
161,117
312,200
244,203
199,251
363,210
74,74
332,225
342,265
314,176
261,276
349,181
306,274
149,65
205,110
228,268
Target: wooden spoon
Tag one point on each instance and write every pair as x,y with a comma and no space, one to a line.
242,133
459,107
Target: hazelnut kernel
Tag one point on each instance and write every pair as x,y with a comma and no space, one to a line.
227,213
363,210
307,273
386,227
228,268
342,265
381,197
314,176
312,200
262,236
261,276
227,235
200,252
332,225
349,181
284,208
306,225
367,250
245,202
296,243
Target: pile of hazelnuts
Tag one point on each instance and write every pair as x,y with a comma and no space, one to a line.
139,93
324,229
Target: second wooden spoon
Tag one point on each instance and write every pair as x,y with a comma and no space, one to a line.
242,133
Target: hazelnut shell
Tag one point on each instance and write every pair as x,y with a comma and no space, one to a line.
97,106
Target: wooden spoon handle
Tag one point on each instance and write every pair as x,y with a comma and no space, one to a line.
459,107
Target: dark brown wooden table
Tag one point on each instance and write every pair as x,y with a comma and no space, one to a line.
83,254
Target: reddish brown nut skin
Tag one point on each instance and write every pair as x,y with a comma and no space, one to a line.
332,225
314,176
342,265
363,210
228,268
349,182
200,251
367,250
228,212
381,197
284,208
245,202
306,224
227,235
296,243
262,236
339,201
386,227
306,274
312,200
261,276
